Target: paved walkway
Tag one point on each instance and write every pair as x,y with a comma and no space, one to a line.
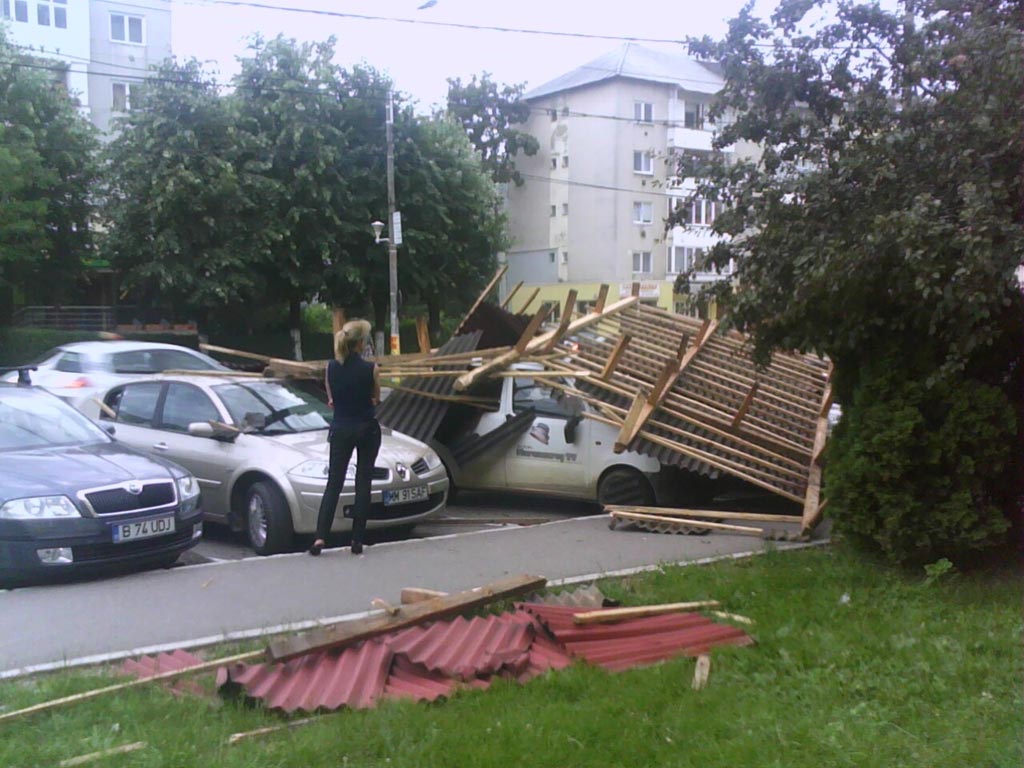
69,624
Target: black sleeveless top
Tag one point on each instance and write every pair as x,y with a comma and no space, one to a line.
351,386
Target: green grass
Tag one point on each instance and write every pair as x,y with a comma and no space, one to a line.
905,672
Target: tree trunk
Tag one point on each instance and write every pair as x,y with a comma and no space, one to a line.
434,319
295,327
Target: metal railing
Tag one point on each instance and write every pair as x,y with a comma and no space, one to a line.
76,318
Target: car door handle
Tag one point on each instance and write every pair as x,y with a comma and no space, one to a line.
159,446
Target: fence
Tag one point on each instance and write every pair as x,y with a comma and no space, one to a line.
76,318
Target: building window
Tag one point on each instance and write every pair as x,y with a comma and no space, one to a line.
60,14
551,257
554,210
5,9
643,213
642,264
702,213
554,162
643,112
693,115
565,161
565,111
20,10
683,259
643,162
127,29
554,114
43,14
565,209
122,96
565,258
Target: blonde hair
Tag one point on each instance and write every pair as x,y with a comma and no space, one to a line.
349,337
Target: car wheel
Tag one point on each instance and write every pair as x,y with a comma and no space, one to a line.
626,487
268,522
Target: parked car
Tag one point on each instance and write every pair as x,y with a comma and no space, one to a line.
259,450
74,500
83,371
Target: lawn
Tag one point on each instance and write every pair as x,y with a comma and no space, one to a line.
856,664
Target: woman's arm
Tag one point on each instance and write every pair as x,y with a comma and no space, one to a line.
327,385
375,394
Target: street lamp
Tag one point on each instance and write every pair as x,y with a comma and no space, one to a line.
392,242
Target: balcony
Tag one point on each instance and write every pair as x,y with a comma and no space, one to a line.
692,138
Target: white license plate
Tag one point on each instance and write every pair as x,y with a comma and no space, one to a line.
143,529
405,495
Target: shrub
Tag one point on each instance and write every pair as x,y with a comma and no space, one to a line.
920,472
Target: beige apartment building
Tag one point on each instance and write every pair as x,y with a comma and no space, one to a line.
597,194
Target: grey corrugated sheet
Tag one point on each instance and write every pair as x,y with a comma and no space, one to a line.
477,445
419,417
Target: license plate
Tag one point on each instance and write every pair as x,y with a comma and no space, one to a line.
143,529
405,495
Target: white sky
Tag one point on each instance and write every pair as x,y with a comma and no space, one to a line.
420,57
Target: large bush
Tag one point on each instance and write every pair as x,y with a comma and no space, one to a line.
921,472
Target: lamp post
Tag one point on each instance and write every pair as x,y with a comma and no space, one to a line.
394,238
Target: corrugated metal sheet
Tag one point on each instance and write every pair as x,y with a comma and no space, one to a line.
500,328
471,446
418,416
636,642
148,666
588,597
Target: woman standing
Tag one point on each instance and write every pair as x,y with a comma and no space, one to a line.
353,390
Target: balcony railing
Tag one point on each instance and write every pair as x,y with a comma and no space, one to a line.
75,318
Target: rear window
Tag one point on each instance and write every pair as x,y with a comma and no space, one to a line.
158,360
71,362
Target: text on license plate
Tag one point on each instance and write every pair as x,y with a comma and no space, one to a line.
405,495
143,529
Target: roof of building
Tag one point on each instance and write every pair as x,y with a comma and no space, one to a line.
638,63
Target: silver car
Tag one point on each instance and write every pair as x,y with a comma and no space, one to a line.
259,450
82,371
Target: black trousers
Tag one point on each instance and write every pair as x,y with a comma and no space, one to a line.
364,438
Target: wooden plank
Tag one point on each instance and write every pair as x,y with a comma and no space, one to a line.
383,605
613,359
812,501
482,297
234,738
684,342
570,303
103,753
77,698
531,329
745,529
732,617
604,615
419,594
745,406
636,411
529,301
721,514
423,334
602,297
514,291
350,632
234,352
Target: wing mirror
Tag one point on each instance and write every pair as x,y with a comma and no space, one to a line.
109,429
570,429
213,431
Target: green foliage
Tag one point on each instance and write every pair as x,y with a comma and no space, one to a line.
921,472
488,113
47,167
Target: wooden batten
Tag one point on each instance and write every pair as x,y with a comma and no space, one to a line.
483,296
616,355
423,334
745,406
716,514
745,529
513,292
602,298
567,310
812,501
529,300
531,330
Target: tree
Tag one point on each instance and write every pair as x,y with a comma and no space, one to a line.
881,225
489,113
47,168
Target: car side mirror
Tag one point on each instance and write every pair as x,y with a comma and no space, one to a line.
110,429
206,429
570,429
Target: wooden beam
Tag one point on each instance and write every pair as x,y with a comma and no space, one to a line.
744,529
234,352
613,359
812,501
234,738
513,292
684,342
635,290
77,698
567,310
350,632
603,615
745,405
602,297
419,594
482,297
423,334
720,514
103,753
382,604
529,301
531,329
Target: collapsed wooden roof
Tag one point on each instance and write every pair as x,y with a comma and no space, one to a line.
684,391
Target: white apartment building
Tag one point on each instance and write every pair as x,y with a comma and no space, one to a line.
107,46
597,195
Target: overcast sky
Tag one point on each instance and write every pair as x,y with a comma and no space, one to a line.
419,57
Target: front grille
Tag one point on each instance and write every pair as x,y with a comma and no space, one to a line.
93,553
111,501
380,512
420,467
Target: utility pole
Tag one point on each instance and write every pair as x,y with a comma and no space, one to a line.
394,228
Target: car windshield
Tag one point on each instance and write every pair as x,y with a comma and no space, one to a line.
271,407
32,419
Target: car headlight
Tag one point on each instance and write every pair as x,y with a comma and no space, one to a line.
39,508
432,459
314,469
188,487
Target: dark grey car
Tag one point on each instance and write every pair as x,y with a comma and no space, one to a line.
73,499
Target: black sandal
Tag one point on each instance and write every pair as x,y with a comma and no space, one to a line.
316,548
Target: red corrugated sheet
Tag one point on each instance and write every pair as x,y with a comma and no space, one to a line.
430,661
148,666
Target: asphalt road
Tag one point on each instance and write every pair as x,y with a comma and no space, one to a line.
474,512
